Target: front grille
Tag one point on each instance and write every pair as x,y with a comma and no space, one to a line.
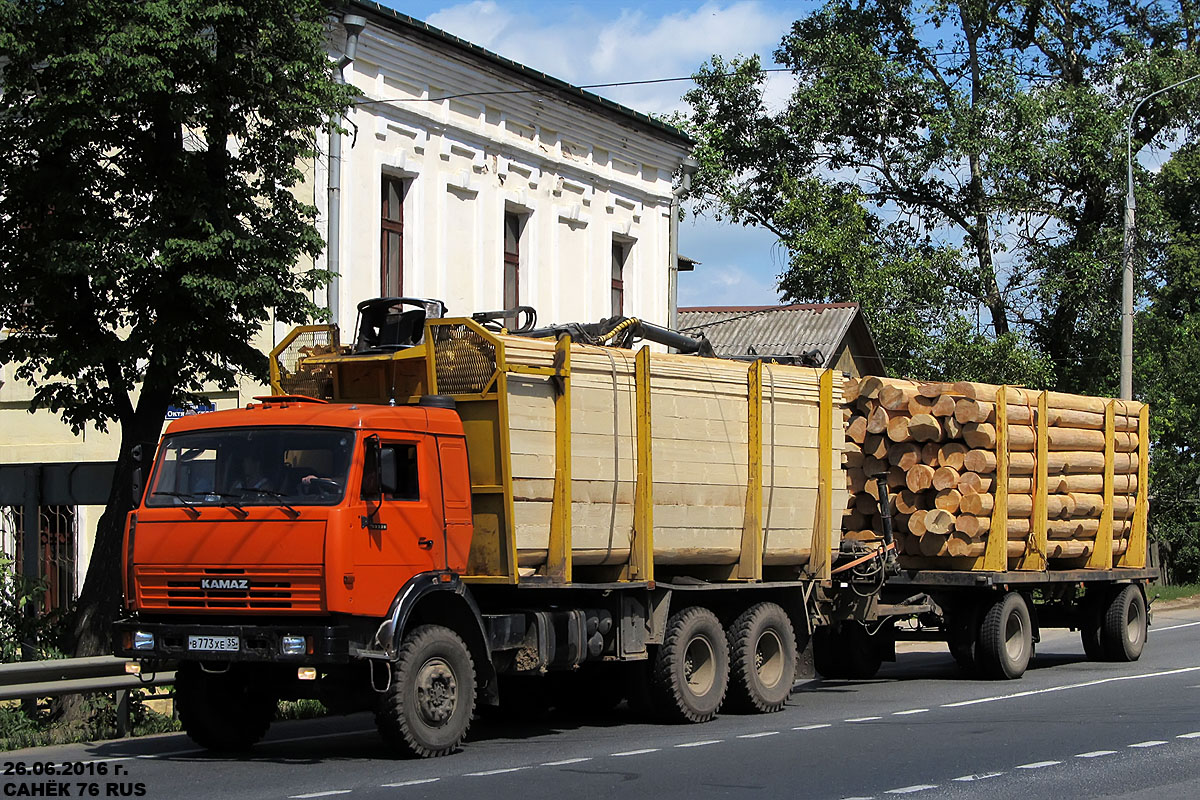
294,589
466,361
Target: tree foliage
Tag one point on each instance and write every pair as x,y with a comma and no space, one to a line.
150,159
951,163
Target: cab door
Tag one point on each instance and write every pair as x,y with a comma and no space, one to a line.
407,534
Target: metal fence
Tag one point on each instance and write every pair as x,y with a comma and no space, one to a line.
34,679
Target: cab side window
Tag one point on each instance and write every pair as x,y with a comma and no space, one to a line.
398,473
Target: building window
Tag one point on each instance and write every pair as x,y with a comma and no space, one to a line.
57,549
513,225
620,253
391,248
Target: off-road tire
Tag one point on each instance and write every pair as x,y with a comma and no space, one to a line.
690,674
860,652
829,659
1123,630
427,709
1091,621
227,711
762,660
962,636
1006,638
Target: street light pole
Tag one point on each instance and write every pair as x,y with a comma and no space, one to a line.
1127,249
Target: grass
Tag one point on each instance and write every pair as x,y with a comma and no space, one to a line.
1179,592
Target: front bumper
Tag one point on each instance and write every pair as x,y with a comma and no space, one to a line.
329,644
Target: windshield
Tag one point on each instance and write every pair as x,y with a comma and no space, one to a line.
252,466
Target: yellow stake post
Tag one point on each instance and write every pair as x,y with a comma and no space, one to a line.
641,552
1034,557
749,566
995,552
558,561
820,561
1102,557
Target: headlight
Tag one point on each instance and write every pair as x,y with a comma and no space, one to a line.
143,641
292,645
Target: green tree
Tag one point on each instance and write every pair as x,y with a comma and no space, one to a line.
150,156
1167,348
955,167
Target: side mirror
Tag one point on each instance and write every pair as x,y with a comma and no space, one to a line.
138,480
371,484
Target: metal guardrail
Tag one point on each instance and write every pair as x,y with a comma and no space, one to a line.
32,679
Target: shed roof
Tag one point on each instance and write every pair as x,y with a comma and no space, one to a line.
782,330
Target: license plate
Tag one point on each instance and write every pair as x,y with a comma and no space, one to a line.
213,643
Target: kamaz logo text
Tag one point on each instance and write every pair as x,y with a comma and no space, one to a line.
224,583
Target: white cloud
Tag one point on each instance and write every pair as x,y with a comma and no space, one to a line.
582,45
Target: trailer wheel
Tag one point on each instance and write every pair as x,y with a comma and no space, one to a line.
1123,634
691,669
1091,612
428,707
762,655
1006,638
962,636
222,711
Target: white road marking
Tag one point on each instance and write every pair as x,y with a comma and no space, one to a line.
1193,735
863,719
416,782
920,787
566,761
318,794
757,735
1096,754
1151,743
1176,627
485,773
983,776
1064,687
813,727
868,797
700,744
1039,765
910,711
188,752
636,752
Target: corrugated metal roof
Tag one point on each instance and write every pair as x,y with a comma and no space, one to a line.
772,330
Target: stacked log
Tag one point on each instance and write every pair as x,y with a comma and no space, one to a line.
938,448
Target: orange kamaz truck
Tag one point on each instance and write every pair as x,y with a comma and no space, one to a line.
461,512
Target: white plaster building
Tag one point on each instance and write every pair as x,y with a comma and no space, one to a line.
512,186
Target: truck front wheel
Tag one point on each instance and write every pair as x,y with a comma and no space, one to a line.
224,711
762,650
427,709
691,670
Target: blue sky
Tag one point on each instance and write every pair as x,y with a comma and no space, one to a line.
598,42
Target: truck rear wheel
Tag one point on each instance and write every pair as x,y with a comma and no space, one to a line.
428,706
223,711
691,669
1123,631
1006,638
762,655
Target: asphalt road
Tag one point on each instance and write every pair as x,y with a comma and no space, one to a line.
1068,728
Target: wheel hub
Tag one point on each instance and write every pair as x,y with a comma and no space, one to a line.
437,692
768,658
699,666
